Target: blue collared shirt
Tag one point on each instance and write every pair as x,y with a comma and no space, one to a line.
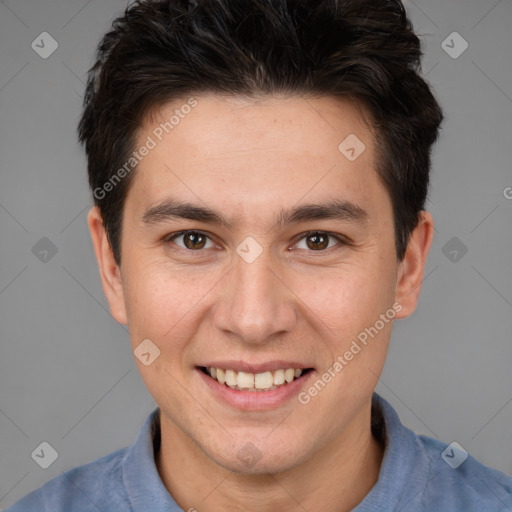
418,474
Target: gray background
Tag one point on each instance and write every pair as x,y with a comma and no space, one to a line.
67,374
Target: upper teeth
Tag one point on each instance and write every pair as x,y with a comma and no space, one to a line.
253,381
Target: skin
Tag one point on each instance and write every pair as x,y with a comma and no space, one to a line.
249,159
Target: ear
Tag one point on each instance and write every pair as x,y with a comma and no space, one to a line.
411,268
109,270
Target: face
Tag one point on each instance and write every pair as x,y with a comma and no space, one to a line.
263,280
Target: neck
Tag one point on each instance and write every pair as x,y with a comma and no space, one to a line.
336,478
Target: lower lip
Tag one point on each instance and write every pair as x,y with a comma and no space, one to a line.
255,400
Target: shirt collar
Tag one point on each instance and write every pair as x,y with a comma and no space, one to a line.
401,465
141,479
404,466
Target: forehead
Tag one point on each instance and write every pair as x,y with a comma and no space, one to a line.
236,152
284,125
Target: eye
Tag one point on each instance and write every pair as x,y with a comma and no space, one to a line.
318,240
193,240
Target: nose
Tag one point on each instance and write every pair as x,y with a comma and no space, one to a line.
256,304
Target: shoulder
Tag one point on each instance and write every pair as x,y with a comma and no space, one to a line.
458,481
422,474
95,486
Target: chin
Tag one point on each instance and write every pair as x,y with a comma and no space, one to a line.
267,464
255,455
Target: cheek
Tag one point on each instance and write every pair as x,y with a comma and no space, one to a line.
346,299
160,301
163,306
346,316
169,305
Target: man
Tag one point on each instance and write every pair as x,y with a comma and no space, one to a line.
259,170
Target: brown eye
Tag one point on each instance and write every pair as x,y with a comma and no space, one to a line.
193,240
318,241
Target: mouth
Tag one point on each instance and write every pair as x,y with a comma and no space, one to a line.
255,382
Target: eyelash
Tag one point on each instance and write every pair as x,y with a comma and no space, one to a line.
341,240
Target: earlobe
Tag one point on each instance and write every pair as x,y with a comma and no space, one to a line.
411,268
109,270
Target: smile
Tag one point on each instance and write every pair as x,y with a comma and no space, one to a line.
245,381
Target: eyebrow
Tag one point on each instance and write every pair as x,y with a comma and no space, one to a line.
170,209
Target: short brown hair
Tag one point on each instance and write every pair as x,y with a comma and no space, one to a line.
164,49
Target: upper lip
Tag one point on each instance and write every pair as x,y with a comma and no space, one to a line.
269,366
